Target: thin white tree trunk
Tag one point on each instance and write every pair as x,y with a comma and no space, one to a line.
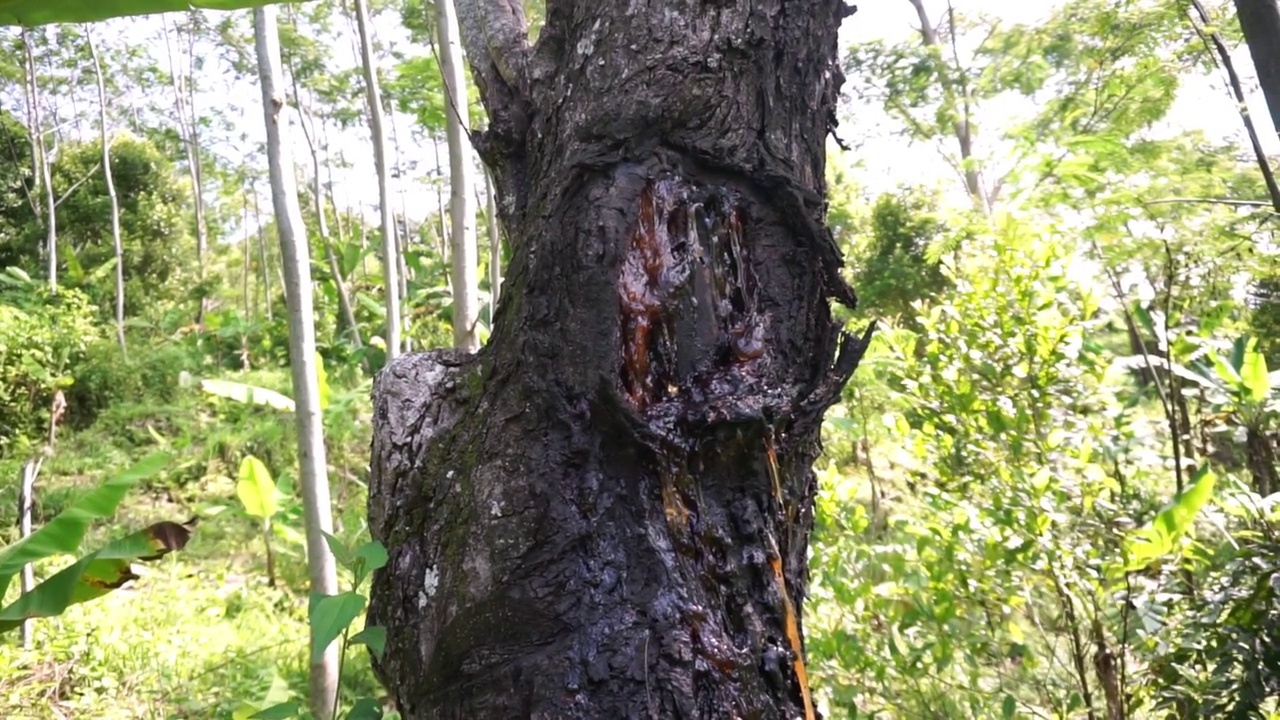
302,346
46,175
462,215
390,257
109,178
322,222
188,131
262,251
495,248
26,500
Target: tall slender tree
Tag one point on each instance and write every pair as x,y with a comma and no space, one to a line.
462,213
109,179
390,254
43,162
1260,21
295,257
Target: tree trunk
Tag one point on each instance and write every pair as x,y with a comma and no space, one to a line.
390,256
322,221
495,248
294,253
109,178
606,511
262,252
462,215
189,133
1260,21
962,127
42,159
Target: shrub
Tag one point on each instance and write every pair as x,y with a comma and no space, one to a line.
43,336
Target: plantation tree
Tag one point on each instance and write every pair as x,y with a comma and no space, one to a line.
295,257
40,154
390,251
605,512
188,122
462,215
108,178
1260,21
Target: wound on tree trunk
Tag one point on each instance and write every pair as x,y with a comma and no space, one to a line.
606,511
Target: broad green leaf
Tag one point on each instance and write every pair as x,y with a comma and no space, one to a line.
1008,707
63,534
95,574
373,637
251,394
1254,376
329,615
365,708
280,711
1158,539
43,12
256,489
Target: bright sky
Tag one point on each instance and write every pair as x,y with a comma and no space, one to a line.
884,161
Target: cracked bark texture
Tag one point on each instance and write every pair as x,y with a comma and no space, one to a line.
605,512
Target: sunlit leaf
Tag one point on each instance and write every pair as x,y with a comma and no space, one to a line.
251,394
322,381
1253,374
256,489
1159,538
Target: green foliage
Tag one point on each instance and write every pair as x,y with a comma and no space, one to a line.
43,339
154,226
898,266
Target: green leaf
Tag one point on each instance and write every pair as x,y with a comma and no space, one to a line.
96,574
1253,374
365,708
280,711
369,557
256,489
1158,539
329,615
373,637
43,12
248,394
63,534
1008,707
340,551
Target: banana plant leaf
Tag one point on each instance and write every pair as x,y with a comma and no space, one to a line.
63,534
43,12
95,574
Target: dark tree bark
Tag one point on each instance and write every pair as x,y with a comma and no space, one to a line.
1260,21
605,513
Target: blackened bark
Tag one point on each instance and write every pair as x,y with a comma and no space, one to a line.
605,513
1260,21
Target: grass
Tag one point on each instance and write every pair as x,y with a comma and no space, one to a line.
201,632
